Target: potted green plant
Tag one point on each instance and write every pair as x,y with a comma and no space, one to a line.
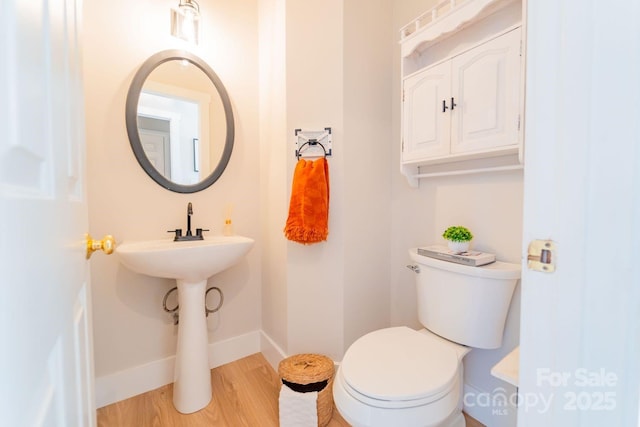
458,238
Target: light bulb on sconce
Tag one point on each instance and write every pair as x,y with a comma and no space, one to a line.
185,21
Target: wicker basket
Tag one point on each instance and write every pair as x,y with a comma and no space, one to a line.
311,369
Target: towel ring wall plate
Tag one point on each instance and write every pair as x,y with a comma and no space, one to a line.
310,143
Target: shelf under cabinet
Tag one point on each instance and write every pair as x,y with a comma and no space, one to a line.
496,160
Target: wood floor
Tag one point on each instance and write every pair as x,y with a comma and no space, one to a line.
245,393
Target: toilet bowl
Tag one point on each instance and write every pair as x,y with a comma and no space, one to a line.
402,377
381,383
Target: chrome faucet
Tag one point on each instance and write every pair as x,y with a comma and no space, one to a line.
189,236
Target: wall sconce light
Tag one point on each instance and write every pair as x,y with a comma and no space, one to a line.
185,21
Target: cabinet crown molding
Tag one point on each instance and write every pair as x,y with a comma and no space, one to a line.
443,19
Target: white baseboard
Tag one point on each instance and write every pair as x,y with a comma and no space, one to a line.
130,382
271,351
140,379
233,349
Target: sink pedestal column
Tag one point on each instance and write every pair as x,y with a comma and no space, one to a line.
192,378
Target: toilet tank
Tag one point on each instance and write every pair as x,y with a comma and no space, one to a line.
464,304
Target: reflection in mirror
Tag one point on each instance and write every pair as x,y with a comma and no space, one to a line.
178,112
179,121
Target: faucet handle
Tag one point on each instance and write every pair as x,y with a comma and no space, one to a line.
177,231
200,230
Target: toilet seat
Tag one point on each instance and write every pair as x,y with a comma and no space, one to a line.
399,368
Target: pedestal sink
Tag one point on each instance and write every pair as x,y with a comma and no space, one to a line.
190,263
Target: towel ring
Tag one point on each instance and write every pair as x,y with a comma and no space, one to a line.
311,142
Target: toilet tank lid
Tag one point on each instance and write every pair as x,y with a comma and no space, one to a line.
495,270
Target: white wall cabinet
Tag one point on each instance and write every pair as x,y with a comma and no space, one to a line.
427,128
466,105
486,87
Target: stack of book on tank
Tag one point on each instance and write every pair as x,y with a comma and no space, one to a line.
470,258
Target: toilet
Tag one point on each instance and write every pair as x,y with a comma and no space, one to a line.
402,377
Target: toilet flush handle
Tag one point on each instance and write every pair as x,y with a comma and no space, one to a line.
414,268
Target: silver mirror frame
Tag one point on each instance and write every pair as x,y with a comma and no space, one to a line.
131,113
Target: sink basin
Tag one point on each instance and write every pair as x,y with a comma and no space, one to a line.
191,261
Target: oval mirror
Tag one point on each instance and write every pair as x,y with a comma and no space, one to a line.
179,121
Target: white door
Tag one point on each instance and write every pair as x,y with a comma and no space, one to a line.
485,85
426,123
45,323
580,326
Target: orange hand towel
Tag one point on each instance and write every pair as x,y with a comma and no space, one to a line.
308,220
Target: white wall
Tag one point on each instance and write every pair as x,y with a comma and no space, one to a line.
490,205
368,102
275,147
330,61
131,328
315,273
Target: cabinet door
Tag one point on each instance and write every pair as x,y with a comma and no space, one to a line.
486,89
426,128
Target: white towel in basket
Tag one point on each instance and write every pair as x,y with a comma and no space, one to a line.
298,409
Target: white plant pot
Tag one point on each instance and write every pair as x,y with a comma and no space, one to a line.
458,247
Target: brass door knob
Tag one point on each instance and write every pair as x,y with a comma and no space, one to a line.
106,245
